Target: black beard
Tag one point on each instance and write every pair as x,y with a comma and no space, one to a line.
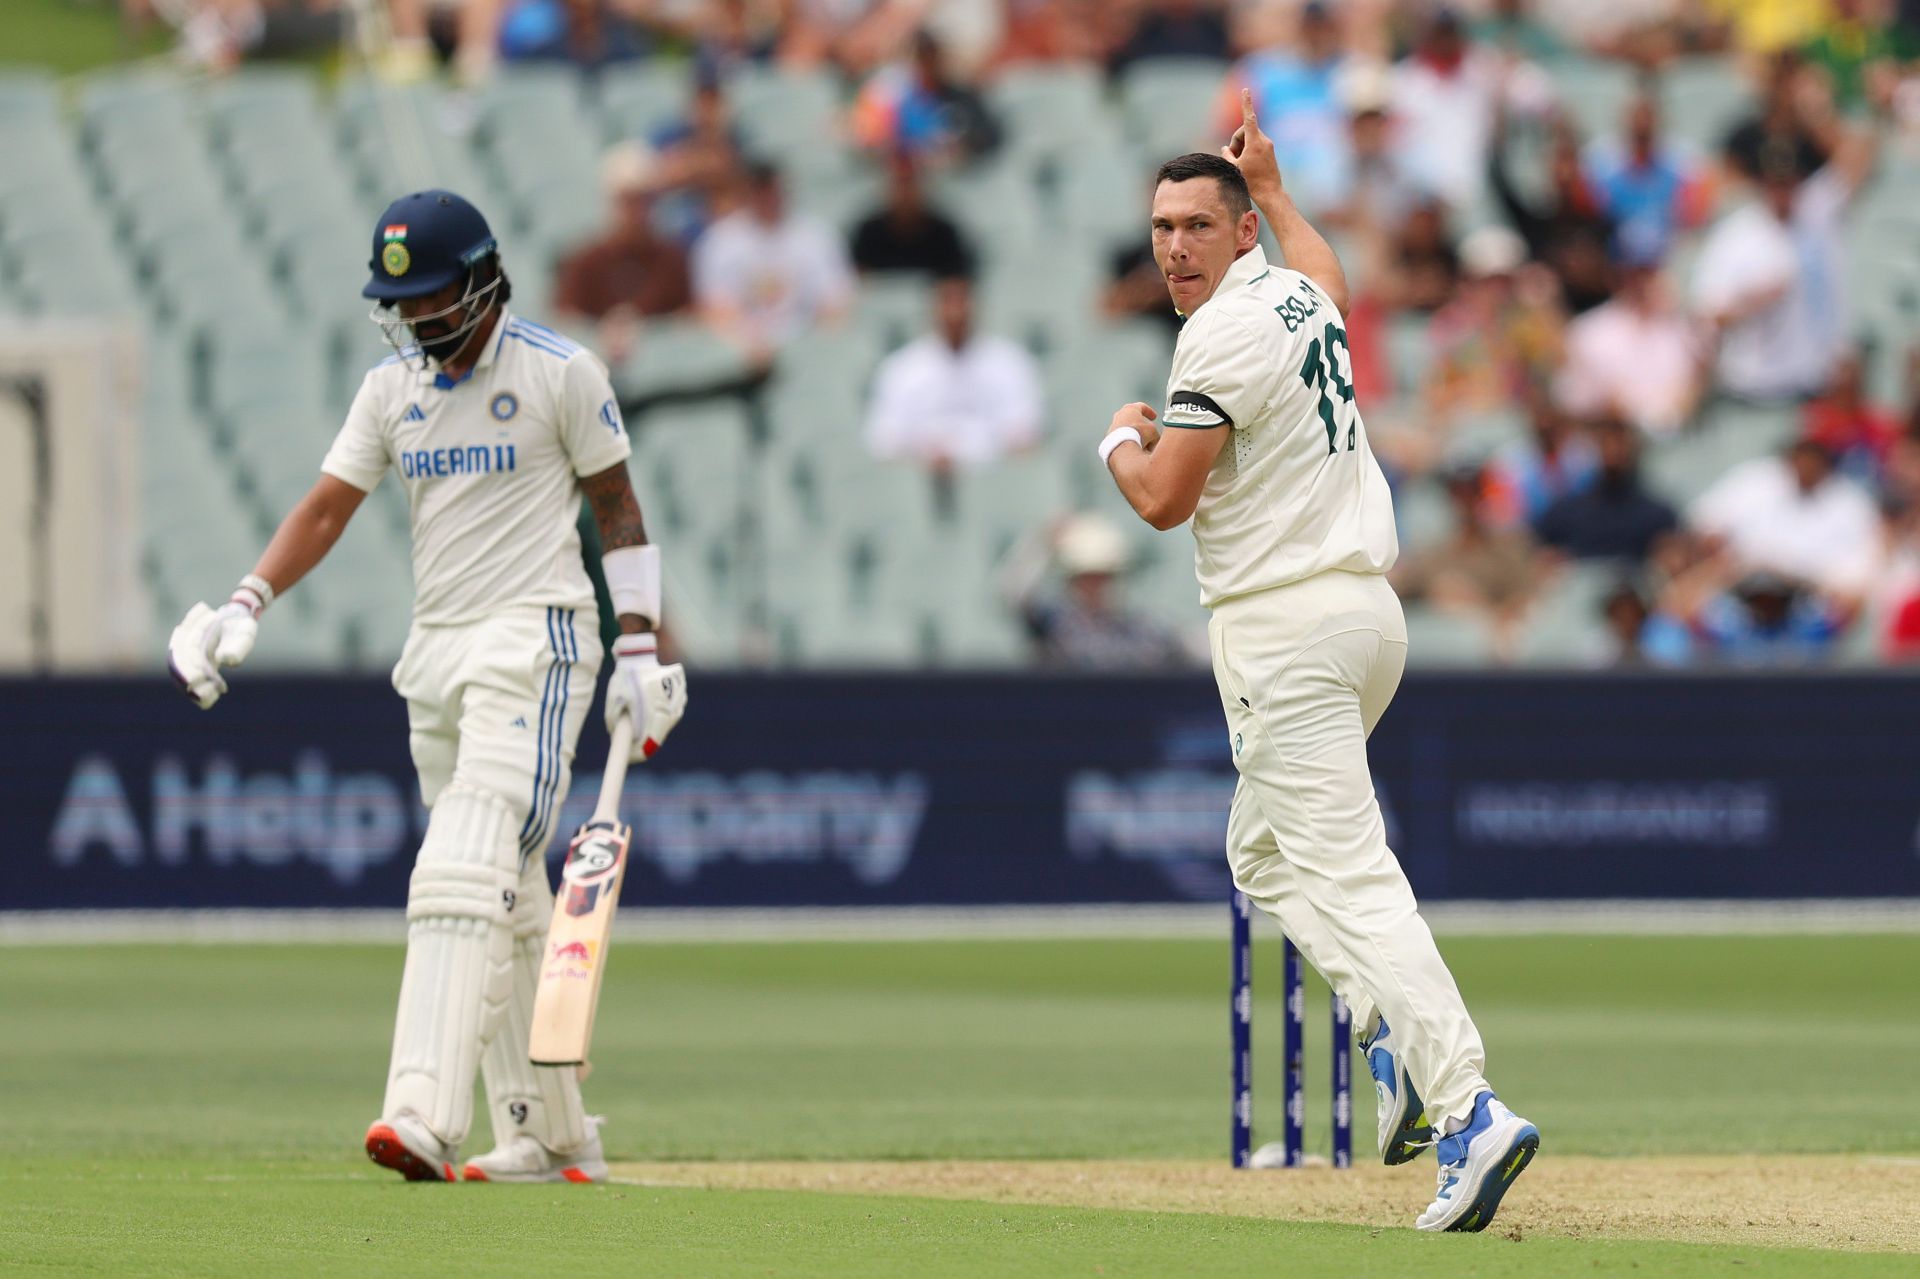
441,345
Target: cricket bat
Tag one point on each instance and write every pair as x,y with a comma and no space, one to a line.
576,955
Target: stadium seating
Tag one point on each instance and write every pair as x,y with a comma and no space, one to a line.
232,218
1169,103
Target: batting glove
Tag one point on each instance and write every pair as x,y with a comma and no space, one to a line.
208,639
655,696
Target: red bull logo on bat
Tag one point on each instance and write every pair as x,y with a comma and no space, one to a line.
569,959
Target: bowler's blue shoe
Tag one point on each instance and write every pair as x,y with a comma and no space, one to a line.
1477,1164
1404,1131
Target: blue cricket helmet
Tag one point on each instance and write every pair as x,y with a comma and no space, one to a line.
423,243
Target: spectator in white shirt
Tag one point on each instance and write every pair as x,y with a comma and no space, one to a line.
1793,515
763,274
1444,93
1769,280
1634,356
955,397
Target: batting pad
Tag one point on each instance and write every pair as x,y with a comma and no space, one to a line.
541,1101
459,972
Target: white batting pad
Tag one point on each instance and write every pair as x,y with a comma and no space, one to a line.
540,1101
459,975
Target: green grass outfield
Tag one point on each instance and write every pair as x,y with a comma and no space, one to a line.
198,1109
70,35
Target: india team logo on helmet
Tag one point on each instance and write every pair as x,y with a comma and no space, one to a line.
393,254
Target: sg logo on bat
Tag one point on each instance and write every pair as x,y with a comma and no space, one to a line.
593,867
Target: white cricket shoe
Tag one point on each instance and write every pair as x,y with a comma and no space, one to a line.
1477,1164
525,1159
409,1147
1403,1129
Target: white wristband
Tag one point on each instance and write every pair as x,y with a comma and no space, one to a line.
254,593
633,580
1114,439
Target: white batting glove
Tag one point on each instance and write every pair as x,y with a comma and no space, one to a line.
655,696
208,639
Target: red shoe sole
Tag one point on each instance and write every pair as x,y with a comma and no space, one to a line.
385,1148
574,1175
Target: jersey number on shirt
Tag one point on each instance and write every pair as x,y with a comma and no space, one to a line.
1327,377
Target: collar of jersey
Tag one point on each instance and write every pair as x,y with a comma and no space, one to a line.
442,382
1246,268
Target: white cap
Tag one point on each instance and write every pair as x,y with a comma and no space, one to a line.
1092,544
628,166
1492,250
1364,85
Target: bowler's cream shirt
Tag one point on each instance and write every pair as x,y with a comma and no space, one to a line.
1296,490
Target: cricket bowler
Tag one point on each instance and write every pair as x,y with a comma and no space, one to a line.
495,426
1262,447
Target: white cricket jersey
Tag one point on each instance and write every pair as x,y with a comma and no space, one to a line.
491,465
1296,490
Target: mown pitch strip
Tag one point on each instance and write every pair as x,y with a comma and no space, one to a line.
1851,1202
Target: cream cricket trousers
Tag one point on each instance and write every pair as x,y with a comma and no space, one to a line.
494,709
1305,671
501,702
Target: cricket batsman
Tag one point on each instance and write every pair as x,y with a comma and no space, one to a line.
495,426
1261,446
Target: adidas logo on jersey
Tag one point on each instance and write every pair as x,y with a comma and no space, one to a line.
414,414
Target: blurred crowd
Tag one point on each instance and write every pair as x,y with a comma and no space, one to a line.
1611,290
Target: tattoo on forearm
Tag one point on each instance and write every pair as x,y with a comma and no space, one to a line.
615,509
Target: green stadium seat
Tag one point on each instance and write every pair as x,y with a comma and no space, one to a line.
1680,470
252,371
819,619
194,524
640,98
1041,301
1477,436
550,95
985,638
1594,93
1446,640
839,191
994,203
146,100
1701,99
29,97
546,211
1423,515
1104,195
780,110
1048,109
1169,104
1409,353
829,362
678,355
1565,626
260,98
998,502
366,111
1859,645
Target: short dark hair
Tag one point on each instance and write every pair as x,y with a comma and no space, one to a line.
1200,164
